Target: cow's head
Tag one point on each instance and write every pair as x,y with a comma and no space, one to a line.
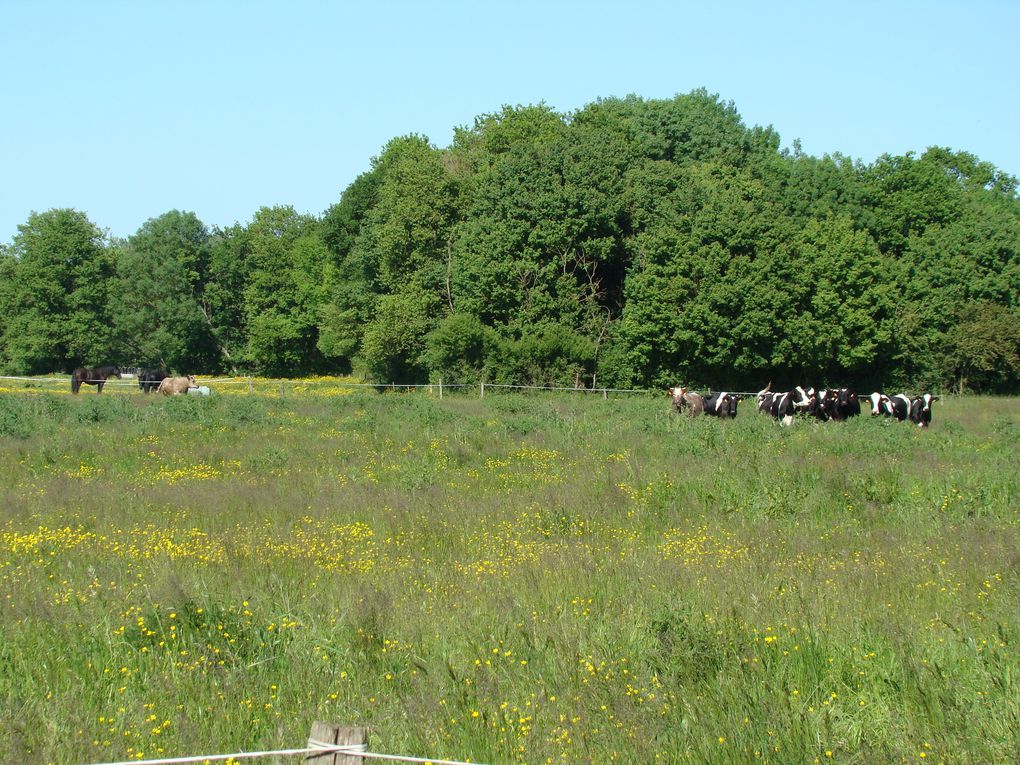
726,404
920,409
880,404
804,401
678,396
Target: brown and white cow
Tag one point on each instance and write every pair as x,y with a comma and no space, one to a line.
686,401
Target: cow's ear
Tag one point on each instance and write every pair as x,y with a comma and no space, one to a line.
934,399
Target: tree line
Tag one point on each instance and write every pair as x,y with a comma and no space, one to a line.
630,243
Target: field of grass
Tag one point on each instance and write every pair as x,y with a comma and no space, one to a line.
516,579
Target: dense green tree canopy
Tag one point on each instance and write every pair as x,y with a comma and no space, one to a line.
59,310
160,273
632,242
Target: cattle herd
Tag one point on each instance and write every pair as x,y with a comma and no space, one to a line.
823,404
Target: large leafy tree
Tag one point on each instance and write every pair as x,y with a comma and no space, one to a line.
58,315
392,241
981,351
632,242
283,291
161,272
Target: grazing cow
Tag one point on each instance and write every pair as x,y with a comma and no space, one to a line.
920,409
149,379
899,407
721,404
843,403
685,401
175,386
764,398
812,402
880,404
783,406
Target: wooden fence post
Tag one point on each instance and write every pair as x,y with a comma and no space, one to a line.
482,395
251,388
440,388
328,733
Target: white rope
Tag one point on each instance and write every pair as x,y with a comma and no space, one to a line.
235,756
65,380
569,388
404,758
447,386
314,747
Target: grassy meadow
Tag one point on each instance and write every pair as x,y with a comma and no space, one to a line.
535,578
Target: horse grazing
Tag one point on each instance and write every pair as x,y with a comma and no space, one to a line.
149,379
92,376
175,386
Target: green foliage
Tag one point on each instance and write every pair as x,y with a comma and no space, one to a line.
15,417
394,344
161,271
982,349
59,314
283,292
632,242
455,349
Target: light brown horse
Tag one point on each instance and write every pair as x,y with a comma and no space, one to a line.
175,386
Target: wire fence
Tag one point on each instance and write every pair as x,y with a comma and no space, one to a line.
258,384
350,743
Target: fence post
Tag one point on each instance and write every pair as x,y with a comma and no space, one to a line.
328,733
440,388
482,394
251,388
605,394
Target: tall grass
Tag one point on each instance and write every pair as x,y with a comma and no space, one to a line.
517,578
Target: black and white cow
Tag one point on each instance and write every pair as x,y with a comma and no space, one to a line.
721,404
816,403
880,405
844,404
899,407
920,409
783,406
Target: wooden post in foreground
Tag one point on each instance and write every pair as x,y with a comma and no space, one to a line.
328,733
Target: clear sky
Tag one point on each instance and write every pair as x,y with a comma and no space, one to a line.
126,110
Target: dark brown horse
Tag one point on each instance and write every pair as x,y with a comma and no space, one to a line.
149,379
92,376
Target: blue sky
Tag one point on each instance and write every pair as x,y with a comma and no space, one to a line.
126,110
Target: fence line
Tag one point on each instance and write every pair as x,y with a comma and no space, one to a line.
377,386
351,751
350,742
